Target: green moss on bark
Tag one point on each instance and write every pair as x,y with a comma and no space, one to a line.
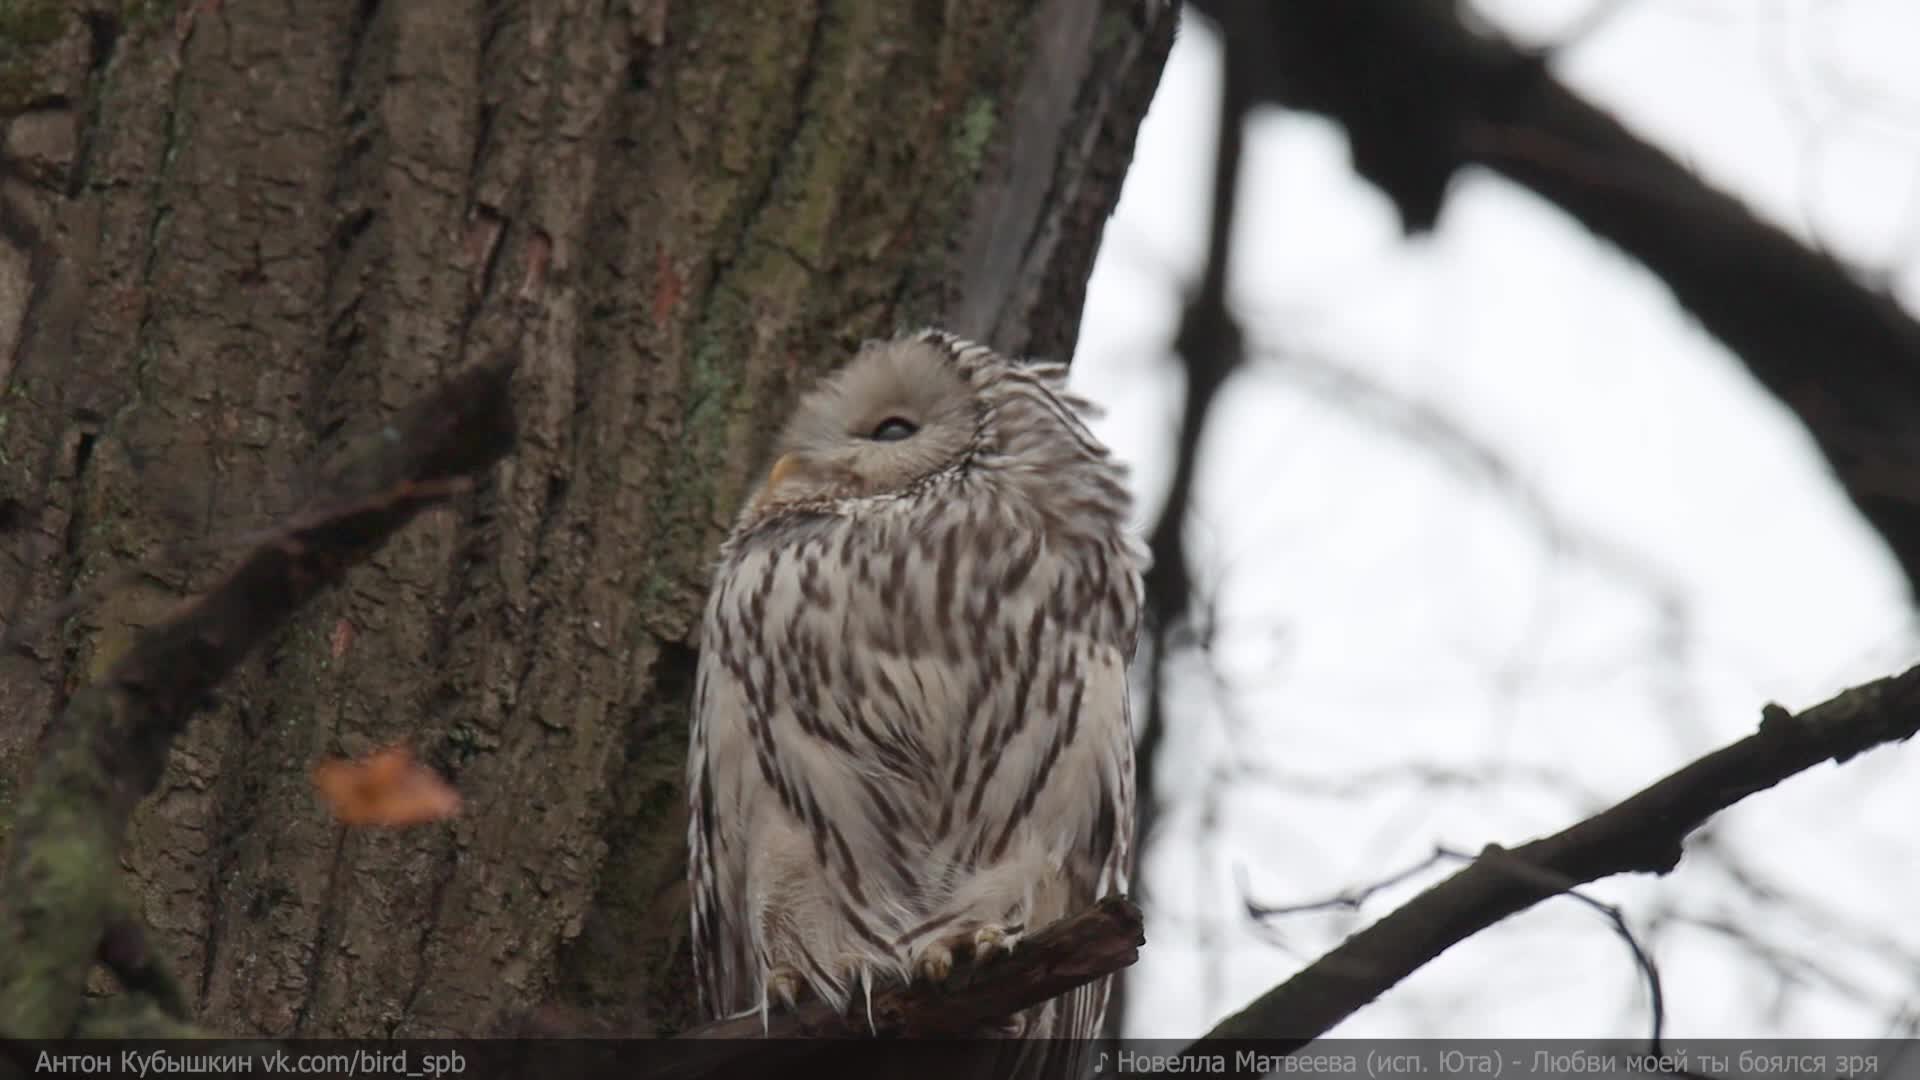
973,135
66,866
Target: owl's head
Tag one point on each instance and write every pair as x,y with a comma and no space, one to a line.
907,410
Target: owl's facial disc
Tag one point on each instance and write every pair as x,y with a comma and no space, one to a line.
873,457
894,415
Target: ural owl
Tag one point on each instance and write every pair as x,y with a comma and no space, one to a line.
911,735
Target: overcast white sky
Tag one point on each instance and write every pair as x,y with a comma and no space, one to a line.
1665,555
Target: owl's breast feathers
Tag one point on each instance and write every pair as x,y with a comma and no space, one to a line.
934,693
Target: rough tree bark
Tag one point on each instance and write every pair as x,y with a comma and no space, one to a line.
239,235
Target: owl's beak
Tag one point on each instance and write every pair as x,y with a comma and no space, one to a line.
788,467
782,469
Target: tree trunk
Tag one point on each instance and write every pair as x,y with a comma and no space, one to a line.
238,236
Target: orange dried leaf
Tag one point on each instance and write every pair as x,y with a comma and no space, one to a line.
342,638
387,787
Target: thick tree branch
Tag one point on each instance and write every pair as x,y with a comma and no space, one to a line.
1643,834
1421,95
1053,960
60,895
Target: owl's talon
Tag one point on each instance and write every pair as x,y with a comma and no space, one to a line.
936,958
935,964
994,940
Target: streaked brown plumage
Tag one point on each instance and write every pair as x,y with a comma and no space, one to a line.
911,727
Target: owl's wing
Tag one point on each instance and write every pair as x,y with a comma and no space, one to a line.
1102,864
721,963
1096,772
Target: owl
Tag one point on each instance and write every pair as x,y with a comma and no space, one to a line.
911,737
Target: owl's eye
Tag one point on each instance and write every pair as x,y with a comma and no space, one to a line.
893,429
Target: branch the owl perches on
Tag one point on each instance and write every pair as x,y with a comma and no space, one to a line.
1052,961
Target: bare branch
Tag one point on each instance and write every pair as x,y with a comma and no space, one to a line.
1070,953
1422,96
1350,899
1642,834
943,1024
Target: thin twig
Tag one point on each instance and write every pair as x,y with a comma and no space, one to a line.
1644,833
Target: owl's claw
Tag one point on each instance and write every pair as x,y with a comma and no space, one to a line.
935,960
994,940
785,984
